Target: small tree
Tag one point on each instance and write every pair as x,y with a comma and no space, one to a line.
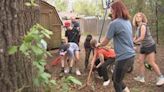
60,5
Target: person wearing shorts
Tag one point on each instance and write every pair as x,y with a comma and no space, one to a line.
70,51
147,48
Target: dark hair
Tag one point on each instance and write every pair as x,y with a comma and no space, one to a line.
63,47
120,10
87,41
89,37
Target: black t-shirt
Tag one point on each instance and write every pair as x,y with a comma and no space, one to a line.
72,35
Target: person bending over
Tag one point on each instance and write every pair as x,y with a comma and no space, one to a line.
102,58
69,51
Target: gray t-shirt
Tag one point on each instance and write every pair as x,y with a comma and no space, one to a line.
148,39
72,48
121,32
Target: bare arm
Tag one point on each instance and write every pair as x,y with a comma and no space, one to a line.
103,43
142,36
101,57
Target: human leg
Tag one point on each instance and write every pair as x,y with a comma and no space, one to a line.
87,55
119,72
151,61
98,69
140,60
63,59
77,59
104,70
104,66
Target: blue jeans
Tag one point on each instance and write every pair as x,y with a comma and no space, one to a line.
121,68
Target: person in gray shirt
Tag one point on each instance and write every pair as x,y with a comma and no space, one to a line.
147,48
120,30
70,51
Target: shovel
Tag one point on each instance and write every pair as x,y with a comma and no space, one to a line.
88,79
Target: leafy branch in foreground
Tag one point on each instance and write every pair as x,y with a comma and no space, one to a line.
32,48
31,3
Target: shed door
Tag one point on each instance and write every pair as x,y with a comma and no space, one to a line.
47,20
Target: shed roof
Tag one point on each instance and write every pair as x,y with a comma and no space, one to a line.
53,7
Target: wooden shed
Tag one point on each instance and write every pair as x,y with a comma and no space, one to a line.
50,19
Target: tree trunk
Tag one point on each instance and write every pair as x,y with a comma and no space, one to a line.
16,71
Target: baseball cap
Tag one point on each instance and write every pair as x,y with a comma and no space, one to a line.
67,24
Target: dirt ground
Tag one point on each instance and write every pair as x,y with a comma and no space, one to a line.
97,86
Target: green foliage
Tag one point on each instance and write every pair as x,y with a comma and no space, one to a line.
66,82
60,5
31,3
148,7
31,47
71,79
12,50
88,8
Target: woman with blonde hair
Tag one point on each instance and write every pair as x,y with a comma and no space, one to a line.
147,48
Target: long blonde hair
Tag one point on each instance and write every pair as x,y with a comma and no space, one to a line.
144,19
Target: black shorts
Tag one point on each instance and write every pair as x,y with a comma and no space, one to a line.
148,50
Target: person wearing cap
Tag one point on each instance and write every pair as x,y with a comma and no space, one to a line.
69,51
71,34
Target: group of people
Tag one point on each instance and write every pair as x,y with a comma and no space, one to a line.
69,49
123,54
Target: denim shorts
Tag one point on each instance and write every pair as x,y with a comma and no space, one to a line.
148,50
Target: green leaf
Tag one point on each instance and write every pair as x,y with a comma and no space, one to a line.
32,1
12,50
44,77
49,54
73,80
36,82
45,34
28,38
35,63
34,4
24,47
40,67
65,88
28,4
48,32
42,63
37,50
53,82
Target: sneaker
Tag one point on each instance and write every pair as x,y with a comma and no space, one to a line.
126,89
160,81
78,72
66,70
140,79
106,83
